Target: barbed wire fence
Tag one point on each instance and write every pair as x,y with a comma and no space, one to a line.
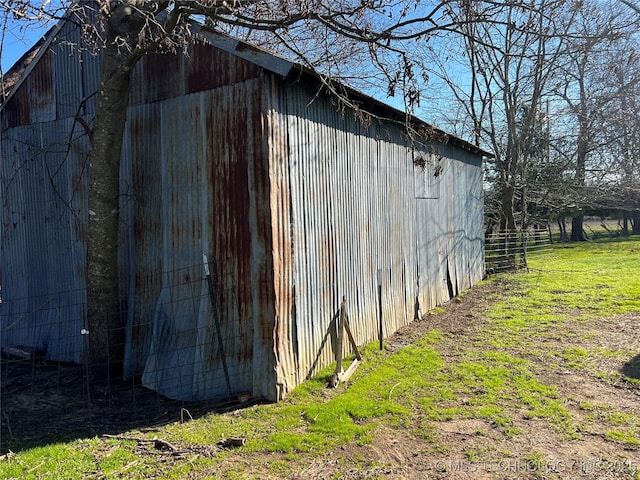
49,390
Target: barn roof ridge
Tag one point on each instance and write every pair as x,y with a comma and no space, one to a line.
290,69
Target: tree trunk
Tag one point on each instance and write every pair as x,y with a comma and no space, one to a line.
563,229
508,228
577,229
635,222
104,315
577,222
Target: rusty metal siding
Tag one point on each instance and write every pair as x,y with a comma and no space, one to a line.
451,228
59,84
68,73
71,60
156,77
285,335
353,209
251,54
207,68
196,171
34,101
43,258
159,77
349,203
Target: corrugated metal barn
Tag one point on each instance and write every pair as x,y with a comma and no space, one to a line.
229,151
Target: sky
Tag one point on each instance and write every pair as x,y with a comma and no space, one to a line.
17,40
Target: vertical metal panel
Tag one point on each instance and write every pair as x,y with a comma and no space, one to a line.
61,82
68,61
141,210
157,77
41,91
261,273
313,234
451,227
90,70
43,259
195,201
162,76
339,232
207,68
285,334
354,210
34,101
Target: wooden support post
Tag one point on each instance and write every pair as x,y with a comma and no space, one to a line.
340,327
351,339
343,324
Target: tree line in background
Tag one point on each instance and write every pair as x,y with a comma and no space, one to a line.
549,86
552,89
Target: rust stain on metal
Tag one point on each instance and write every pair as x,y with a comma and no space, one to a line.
294,204
207,68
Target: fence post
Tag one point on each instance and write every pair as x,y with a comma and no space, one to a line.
340,327
216,320
380,306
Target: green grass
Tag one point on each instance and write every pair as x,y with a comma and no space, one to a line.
493,376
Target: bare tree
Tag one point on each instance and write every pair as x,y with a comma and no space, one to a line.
510,72
622,135
589,90
540,96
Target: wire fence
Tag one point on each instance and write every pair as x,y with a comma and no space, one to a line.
162,367
513,250
178,344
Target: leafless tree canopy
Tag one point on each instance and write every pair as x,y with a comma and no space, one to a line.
552,90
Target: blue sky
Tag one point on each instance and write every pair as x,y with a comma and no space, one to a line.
17,40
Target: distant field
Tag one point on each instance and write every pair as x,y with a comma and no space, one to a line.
594,227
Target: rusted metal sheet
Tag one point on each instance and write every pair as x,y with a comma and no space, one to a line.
339,236
354,209
251,54
157,77
69,64
42,256
207,68
193,197
59,80
451,227
34,101
285,336
163,76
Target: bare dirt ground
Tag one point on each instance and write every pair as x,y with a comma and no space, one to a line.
44,401
539,451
